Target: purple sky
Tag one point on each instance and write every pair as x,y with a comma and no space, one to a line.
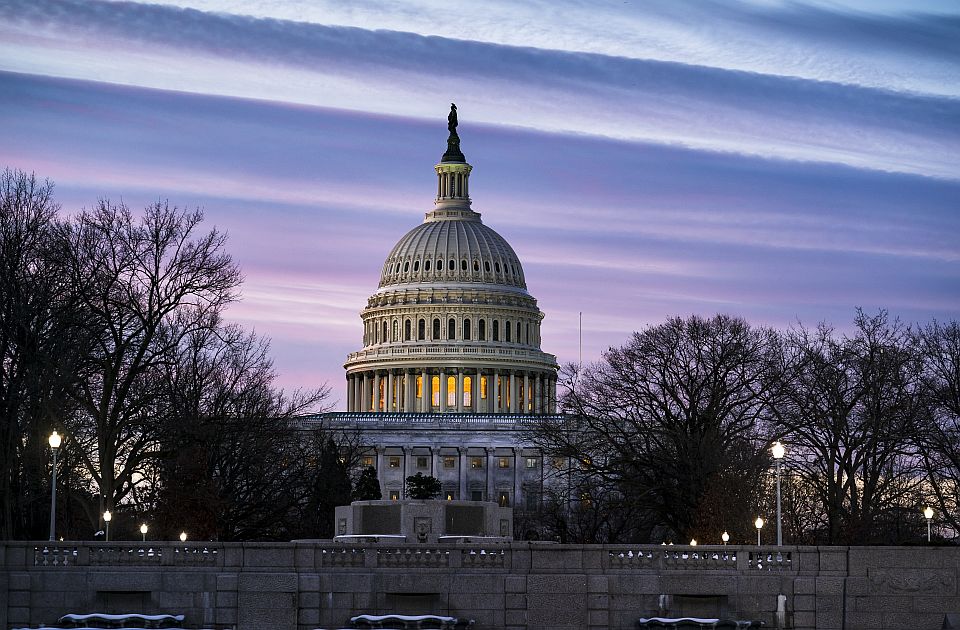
780,161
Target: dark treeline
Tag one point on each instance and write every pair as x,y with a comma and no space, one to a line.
669,435
112,334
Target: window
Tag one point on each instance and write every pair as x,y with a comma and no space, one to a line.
426,265
483,387
503,462
476,495
506,330
451,329
496,330
419,387
496,266
368,461
466,330
476,462
532,501
406,266
384,337
394,495
453,265
463,265
435,391
482,330
421,330
394,462
533,462
396,330
467,391
406,330
449,462
476,265
503,499
416,266
518,332
450,495
486,266
422,462
451,391
440,265
436,329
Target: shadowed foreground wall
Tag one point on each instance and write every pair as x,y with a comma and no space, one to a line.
305,585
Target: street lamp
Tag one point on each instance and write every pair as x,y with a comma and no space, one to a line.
693,542
54,446
143,530
183,536
778,452
107,517
725,537
759,525
928,514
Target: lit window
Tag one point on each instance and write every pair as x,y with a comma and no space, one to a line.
449,495
394,495
503,462
422,462
503,498
368,461
483,385
420,384
449,462
435,391
394,462
476,462
467,391
533,462
451,391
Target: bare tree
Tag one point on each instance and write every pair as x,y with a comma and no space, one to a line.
939,442
147,284
661,419
850,415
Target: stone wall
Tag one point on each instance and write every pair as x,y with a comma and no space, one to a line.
306,585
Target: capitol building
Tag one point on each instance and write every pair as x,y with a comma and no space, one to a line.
451,368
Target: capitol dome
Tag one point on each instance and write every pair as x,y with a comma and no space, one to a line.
451,327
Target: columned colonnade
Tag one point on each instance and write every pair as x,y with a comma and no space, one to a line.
476,390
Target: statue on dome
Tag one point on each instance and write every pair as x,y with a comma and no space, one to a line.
452,118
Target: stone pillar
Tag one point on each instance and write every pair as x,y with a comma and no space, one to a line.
525,407
410,390
460,391
462,472
514,398
426,391
381,466
388,394
375,391
490,496
405,467
494,391
552,395
475,391
537,392
443,390
517,478
365,397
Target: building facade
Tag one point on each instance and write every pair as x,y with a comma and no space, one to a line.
451,369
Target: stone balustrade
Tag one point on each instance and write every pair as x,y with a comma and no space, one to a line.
521,586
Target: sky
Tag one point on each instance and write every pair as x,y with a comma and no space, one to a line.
786,162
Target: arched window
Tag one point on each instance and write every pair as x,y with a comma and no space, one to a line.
396,331
463,265
453,265
436,329
518,332
466,330
451,329
406,266
451,391
435,390
476,265
406,330
416,266
486,266
467,391
497,267
421,330
482,330
440,265
506,331
426,265
496,330
384,336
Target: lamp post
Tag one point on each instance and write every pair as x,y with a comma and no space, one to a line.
143,530
759,525
54,441
693,542
725,537
107,517
183,536
928,514
778,452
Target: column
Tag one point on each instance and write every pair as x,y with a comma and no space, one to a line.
411,390
462,472
537,393
407,451
388,394
514,398
490,494
475,391
525,407
375,391
460,391
365,398
425,387
381,466
517,480
443,391
552,395
494,390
